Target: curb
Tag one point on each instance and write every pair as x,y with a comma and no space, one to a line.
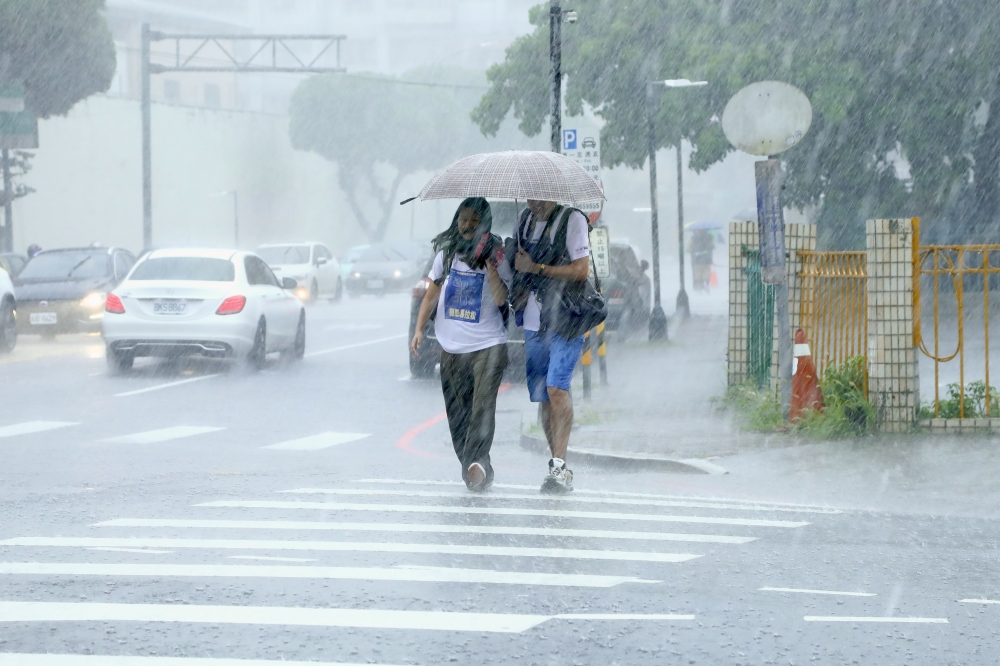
628,461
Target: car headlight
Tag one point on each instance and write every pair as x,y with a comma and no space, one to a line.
94,301
357,275
397,273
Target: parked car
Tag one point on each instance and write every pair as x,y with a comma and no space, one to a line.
215,303
422,367
313,267
347,261
63,291
387,267
8,316
12,262
627,291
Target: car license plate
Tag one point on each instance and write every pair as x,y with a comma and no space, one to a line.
376,284
43,318
169,307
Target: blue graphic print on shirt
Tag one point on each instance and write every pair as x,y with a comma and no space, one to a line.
463,296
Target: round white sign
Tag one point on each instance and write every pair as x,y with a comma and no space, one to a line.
767,118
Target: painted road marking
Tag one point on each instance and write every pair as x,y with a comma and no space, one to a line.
353,327
799,591
162,435
978,601
29,427
117,549
604,493
427,529
408,508
355,345
271,559
902,620
405,574
163,386
23,659
547,498
137,544
507,623
316,442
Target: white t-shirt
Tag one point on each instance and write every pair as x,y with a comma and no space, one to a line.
468,319
578,245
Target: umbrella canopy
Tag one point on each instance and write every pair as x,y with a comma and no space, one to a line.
703,224
514,174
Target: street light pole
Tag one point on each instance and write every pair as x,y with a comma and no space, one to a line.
683,307
658,319
147,163
236,219
555,93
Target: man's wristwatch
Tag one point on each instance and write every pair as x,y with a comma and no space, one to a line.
541,268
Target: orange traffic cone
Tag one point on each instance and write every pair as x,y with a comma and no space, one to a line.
806,393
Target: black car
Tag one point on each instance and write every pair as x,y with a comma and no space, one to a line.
387,267
627,291
63,291
430,350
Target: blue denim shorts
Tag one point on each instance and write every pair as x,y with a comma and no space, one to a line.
549,359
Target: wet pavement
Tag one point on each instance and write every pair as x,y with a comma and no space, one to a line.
312,513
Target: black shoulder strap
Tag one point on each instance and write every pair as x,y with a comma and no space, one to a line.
521,222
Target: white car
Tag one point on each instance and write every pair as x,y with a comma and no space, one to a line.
216,303
8,317
313,267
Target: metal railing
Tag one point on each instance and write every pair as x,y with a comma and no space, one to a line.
965,265
834,306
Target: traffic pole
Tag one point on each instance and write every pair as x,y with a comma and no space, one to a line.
585,361
602,352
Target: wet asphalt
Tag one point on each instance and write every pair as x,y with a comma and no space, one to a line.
312,513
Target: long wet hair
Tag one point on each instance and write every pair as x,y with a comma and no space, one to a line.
451,242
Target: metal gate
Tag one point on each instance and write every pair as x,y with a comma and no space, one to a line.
834,306
956,270
760,322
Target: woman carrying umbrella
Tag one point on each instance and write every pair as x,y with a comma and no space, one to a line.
470,327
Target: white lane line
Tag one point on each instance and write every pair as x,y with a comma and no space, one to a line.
800,591
134,544
23,659
425,529
161,435
120,549
353,327
163,386
410,508
317,442
979,601
605,493
543,498
29,427
355,345
890,620
404,574
265,558
507,623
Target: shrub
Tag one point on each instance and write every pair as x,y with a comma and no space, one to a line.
975,403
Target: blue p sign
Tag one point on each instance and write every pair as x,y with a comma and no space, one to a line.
569,139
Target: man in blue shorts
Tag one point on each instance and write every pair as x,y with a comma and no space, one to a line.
550,357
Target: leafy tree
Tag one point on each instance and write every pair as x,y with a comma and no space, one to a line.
367,122
892,83
61,51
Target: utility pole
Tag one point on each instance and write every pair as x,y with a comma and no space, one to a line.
236,220
256,63
555,56
683,307
7,244
658,319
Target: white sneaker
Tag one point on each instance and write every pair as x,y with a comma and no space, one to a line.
559,480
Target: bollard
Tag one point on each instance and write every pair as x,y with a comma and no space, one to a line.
585,361
602,352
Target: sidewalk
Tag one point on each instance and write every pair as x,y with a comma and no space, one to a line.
658,404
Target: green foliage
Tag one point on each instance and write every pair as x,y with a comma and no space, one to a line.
366,122
760,409
975,403
885,79
61,51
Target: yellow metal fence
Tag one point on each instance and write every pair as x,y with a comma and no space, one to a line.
954,269
834,306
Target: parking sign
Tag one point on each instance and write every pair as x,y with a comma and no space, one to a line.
583,145
569,139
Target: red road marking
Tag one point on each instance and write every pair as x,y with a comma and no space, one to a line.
405,442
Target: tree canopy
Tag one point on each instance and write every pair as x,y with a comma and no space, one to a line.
61,51
896,86
366,122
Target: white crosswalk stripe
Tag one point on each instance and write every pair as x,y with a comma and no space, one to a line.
24,659
29,427
316,442
514,550
162,435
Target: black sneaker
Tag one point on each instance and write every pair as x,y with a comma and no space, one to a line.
559,480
